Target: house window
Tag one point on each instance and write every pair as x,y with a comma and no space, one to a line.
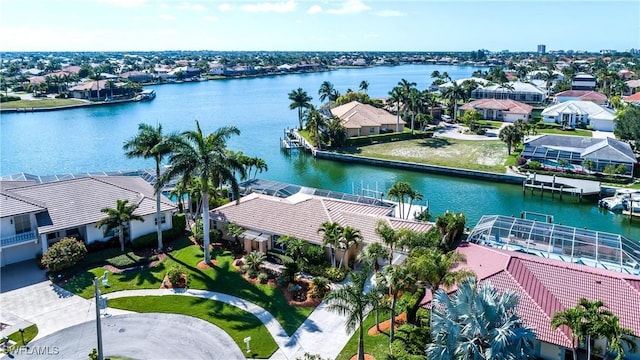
275,245
53,236
371,130
22,223
163,219
74,233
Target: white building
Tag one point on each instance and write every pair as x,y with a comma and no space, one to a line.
34,216
577,113
518,91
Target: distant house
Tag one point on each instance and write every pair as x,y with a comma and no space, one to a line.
518,91
364,119
576,149
502,110
138,76
459,82
583,81
90,90
34,216
632,99
634,87
576,113
545,286
266,218
216,69
585,95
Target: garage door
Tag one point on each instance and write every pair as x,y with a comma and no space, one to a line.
19,253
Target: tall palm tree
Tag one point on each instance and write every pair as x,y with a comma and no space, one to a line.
388,235
478,322
396,279
452,94
206,157
331,232
395,96
572,318
313,122
412,195
151,143
373,252
364,86
353,301
617,338
260,166
594,315
118,218
548,77
434,269
406,87
326,91
349,236
511,136
299,100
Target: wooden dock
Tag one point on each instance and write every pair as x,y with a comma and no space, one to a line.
560,185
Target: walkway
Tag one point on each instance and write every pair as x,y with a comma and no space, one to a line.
321,333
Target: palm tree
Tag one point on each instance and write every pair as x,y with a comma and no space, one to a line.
299,100
396,279
412,195
572,319
260,166
373,252
293,246
548,77
452,94
353,301
331,232
433,269
478,322
511,136
313,122
617,338
336,131
364,86
206,157
254,260
395,96
399,191
118,218
388,235
406,88
349,236
594,316
326,91
151,142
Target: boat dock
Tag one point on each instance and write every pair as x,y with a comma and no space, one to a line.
293,140
561,185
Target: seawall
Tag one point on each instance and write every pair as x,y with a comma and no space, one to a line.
474,174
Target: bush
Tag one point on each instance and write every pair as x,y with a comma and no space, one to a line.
335,274
535,165
319,287
4,98
64,254
282,281
263,278
522,161
151,240
179,222
175,274
314,254
113,243
367,140
251,273
129,260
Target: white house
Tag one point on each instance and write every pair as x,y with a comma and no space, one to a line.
459,82
576,113
502,110
34,216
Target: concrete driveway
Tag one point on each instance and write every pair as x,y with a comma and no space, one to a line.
138,336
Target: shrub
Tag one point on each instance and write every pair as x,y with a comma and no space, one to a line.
314,254
179,222
263,278
535,165
127,260
335,274
113,243
251,273
254,260
175,274
4,98
522,161
282,281
64,254
319,287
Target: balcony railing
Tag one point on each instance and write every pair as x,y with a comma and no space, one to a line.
18,239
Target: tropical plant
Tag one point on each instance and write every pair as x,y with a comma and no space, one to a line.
64,254
118,218
452,94
327,91
373,252
313,122
152,143
617,338
388,235
293,246
396,279
254,260
206,157
395,96
470,118
331,232
589,164
319,287
349,236
478,322
451,228
364,86
353,301
434,269
572,318
627,126
299,100
336,132
511,136
399,191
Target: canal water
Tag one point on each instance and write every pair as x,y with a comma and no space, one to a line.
90,139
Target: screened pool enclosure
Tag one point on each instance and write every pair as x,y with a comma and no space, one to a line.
560,242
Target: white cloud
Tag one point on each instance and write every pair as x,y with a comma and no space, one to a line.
350,7
194,7
211,18
164,32
167,17
124,3
279,7
224,7
315,9
390,13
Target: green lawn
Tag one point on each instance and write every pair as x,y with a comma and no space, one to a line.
490,155
376,345
44,103
222,278
236,322
30,332
559,131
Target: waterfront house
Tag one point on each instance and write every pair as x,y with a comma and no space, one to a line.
545,286
34,216
266,218
584,95
549,148
518,91
583,81
138,76
364,119
576,113
459,82
501,110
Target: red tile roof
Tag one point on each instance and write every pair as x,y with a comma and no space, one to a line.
509,106
546,286
634,97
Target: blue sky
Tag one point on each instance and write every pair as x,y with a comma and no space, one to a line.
342,25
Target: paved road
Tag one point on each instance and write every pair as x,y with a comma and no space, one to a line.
138,336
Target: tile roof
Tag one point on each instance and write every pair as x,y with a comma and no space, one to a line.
13,204
546,286
509,106
587,95
78,202
302,218
634,97
593,110
518,86
355,115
